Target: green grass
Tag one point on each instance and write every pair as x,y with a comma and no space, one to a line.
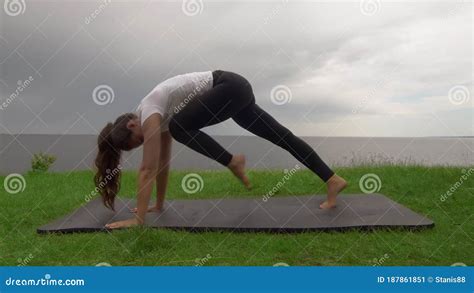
49,196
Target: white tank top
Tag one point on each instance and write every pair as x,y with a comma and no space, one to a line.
172,95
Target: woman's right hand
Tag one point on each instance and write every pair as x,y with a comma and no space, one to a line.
151,209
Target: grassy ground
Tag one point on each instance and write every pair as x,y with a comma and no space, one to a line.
48,196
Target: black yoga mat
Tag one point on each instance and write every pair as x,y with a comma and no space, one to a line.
277,214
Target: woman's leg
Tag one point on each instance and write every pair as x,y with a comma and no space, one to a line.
211,108
228,96
256,120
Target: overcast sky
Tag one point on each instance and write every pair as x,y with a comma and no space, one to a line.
370,68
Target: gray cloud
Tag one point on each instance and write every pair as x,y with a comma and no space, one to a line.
349,73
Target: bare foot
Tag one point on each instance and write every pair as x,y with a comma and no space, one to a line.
151,209
335,185
237,166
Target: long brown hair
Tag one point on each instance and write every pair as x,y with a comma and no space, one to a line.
112,140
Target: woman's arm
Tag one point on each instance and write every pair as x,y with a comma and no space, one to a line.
147,172
163,170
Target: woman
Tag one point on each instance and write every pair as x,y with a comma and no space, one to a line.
178,108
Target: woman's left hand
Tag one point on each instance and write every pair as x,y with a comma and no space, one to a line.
123,224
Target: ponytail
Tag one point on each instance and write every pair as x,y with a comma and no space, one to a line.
111,141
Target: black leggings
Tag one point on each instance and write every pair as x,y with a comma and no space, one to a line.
232,97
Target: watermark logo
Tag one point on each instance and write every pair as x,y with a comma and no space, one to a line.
14,7
373,91
369,7
370,183
103,183
103,95
452,189
275,11
280,95
21,86
202,261
281,264
14,183
459,94
47,280
205,83
24,261
281,182
192,183
192,7
360,105
94,14
380,261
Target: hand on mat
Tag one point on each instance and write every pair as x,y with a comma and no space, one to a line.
151,209
122,224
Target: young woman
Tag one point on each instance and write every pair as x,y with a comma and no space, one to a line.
178,108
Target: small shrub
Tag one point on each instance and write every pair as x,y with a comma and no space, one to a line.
41,162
